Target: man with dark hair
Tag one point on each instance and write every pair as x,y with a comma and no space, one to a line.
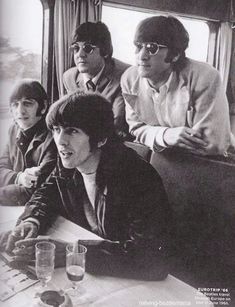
104,187
30,154
171,100
96,70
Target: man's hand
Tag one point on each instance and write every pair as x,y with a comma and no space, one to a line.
25,250
23,231
185,138
29,177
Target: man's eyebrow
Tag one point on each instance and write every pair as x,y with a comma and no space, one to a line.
71,127
31,100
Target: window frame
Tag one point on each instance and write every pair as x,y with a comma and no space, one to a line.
47,67
213,25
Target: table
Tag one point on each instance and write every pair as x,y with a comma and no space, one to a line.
103,291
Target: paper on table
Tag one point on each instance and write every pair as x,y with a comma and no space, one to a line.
8,213
68,231
12,281
8,217
61,229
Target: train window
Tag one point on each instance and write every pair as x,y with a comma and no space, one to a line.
122,24
21,47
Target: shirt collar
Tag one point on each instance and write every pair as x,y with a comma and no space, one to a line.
95,78
30,132
164,86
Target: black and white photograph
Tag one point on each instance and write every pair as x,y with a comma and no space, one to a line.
117,153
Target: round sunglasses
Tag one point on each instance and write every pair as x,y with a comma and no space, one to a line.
87,48
151,48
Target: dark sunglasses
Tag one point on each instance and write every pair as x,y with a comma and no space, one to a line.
87,48
152,48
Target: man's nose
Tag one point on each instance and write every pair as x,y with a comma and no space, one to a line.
80,53
143,54
61,138
21,108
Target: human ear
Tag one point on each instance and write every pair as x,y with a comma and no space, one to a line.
43,110
101,143
175,58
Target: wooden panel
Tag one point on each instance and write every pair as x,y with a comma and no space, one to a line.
216,9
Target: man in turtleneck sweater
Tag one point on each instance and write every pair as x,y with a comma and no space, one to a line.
103,186
30,154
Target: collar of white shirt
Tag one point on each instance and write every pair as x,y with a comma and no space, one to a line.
95,78
164,86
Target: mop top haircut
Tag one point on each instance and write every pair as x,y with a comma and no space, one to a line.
168,31
96,34
30,89
89,112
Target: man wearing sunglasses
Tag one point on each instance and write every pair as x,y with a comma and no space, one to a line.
171,100
96,70
30,154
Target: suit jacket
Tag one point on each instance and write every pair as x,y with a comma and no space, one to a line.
108,85
194,97
135,211
41,151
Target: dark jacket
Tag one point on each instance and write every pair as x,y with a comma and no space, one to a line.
108,85
137,214
41,151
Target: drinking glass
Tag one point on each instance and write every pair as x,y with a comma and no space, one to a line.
45,259
75,266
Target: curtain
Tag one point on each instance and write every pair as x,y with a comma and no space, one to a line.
68,15
223,51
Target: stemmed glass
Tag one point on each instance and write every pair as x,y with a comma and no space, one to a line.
75,266
45,259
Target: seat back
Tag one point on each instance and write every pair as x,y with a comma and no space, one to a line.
141,150
202,194
191,179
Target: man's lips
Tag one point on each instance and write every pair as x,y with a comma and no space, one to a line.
143,65
81,62
65,153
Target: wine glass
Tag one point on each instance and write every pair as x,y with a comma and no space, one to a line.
45,259
75,266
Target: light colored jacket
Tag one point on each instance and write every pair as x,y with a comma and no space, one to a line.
193,97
